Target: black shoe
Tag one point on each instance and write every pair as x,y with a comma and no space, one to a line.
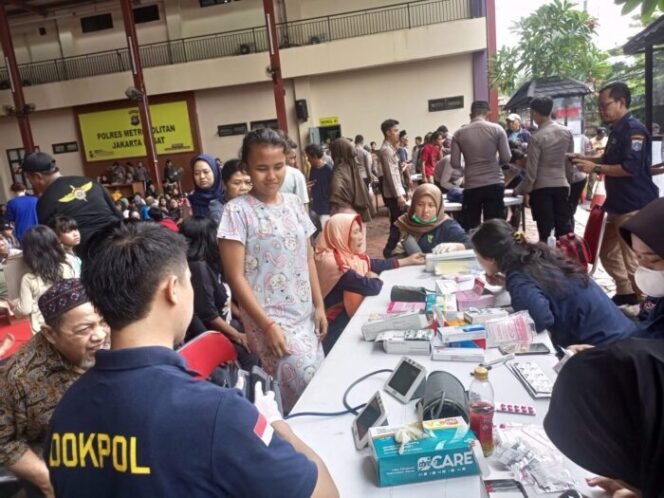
625,299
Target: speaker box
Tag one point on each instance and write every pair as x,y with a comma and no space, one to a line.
302,110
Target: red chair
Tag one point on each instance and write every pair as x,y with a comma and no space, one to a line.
206,352
594,234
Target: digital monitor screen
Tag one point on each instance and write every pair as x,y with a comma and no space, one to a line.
368,418
404,377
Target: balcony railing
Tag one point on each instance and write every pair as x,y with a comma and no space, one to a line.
247,41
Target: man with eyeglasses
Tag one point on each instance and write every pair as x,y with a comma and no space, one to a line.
625,165
34,379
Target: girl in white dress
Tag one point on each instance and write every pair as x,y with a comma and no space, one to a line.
268,262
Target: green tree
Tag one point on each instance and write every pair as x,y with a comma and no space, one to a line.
648,7
504,72
556,40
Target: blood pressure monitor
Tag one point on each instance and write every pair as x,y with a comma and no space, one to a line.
407,381
372,415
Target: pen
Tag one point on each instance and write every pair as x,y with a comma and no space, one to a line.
500,360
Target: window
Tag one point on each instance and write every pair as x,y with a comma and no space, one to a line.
148,13
96,23
266,123
446,104
230,130
15,159
208,3
65,147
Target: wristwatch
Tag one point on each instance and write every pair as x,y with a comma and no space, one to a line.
598,169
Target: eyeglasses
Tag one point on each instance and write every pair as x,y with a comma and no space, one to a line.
606,105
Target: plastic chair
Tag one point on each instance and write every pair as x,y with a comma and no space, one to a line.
594,234
206,352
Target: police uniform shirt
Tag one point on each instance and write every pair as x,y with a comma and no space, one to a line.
629,146
139,425
80,198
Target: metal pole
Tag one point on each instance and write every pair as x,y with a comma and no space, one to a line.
649,86
15,82
491,49
275,64
139,83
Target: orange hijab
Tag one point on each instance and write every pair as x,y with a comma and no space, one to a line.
334,255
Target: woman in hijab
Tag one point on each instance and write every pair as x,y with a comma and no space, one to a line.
607,415
429,226
643,233
348,190
207,199
346,273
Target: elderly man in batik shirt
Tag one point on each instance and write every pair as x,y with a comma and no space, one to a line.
35,378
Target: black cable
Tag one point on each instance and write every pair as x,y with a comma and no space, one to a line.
348,408
345,398
322,414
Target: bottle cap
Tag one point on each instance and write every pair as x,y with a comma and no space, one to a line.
481,373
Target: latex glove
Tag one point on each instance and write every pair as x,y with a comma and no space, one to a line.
577,348
239,384
446,247
409,432
266,404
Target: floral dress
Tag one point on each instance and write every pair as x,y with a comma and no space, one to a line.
276,240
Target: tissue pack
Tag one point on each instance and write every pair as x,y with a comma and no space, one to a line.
446,453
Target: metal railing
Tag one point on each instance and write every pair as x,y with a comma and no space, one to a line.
250,40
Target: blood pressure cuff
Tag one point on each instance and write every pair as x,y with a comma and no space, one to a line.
228,375
444,397
406,294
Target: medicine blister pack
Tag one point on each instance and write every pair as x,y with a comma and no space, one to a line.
532,377
515,408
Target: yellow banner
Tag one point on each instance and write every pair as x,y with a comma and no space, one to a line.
329,121
117,134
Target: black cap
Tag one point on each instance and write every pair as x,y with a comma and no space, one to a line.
601,129
38,162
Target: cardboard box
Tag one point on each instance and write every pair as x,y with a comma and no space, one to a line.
447,454
480,316
475,298
406,342
475,334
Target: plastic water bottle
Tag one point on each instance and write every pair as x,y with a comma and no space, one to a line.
551,240
481,399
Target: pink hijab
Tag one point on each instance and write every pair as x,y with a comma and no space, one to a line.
334,255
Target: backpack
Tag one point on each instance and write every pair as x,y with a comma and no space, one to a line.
575,248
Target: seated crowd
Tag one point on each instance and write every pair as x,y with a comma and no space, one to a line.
97,403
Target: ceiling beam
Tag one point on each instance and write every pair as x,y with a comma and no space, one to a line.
40,11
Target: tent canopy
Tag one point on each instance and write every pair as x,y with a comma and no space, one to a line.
651,35
553,87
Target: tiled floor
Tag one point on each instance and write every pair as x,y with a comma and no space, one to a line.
378,228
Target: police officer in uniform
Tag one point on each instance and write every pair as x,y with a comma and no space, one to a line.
138,424
625,165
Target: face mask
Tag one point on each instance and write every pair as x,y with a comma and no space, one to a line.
651,282
419,220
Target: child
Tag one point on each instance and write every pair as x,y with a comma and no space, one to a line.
47,263
7,233
277,289
66,229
